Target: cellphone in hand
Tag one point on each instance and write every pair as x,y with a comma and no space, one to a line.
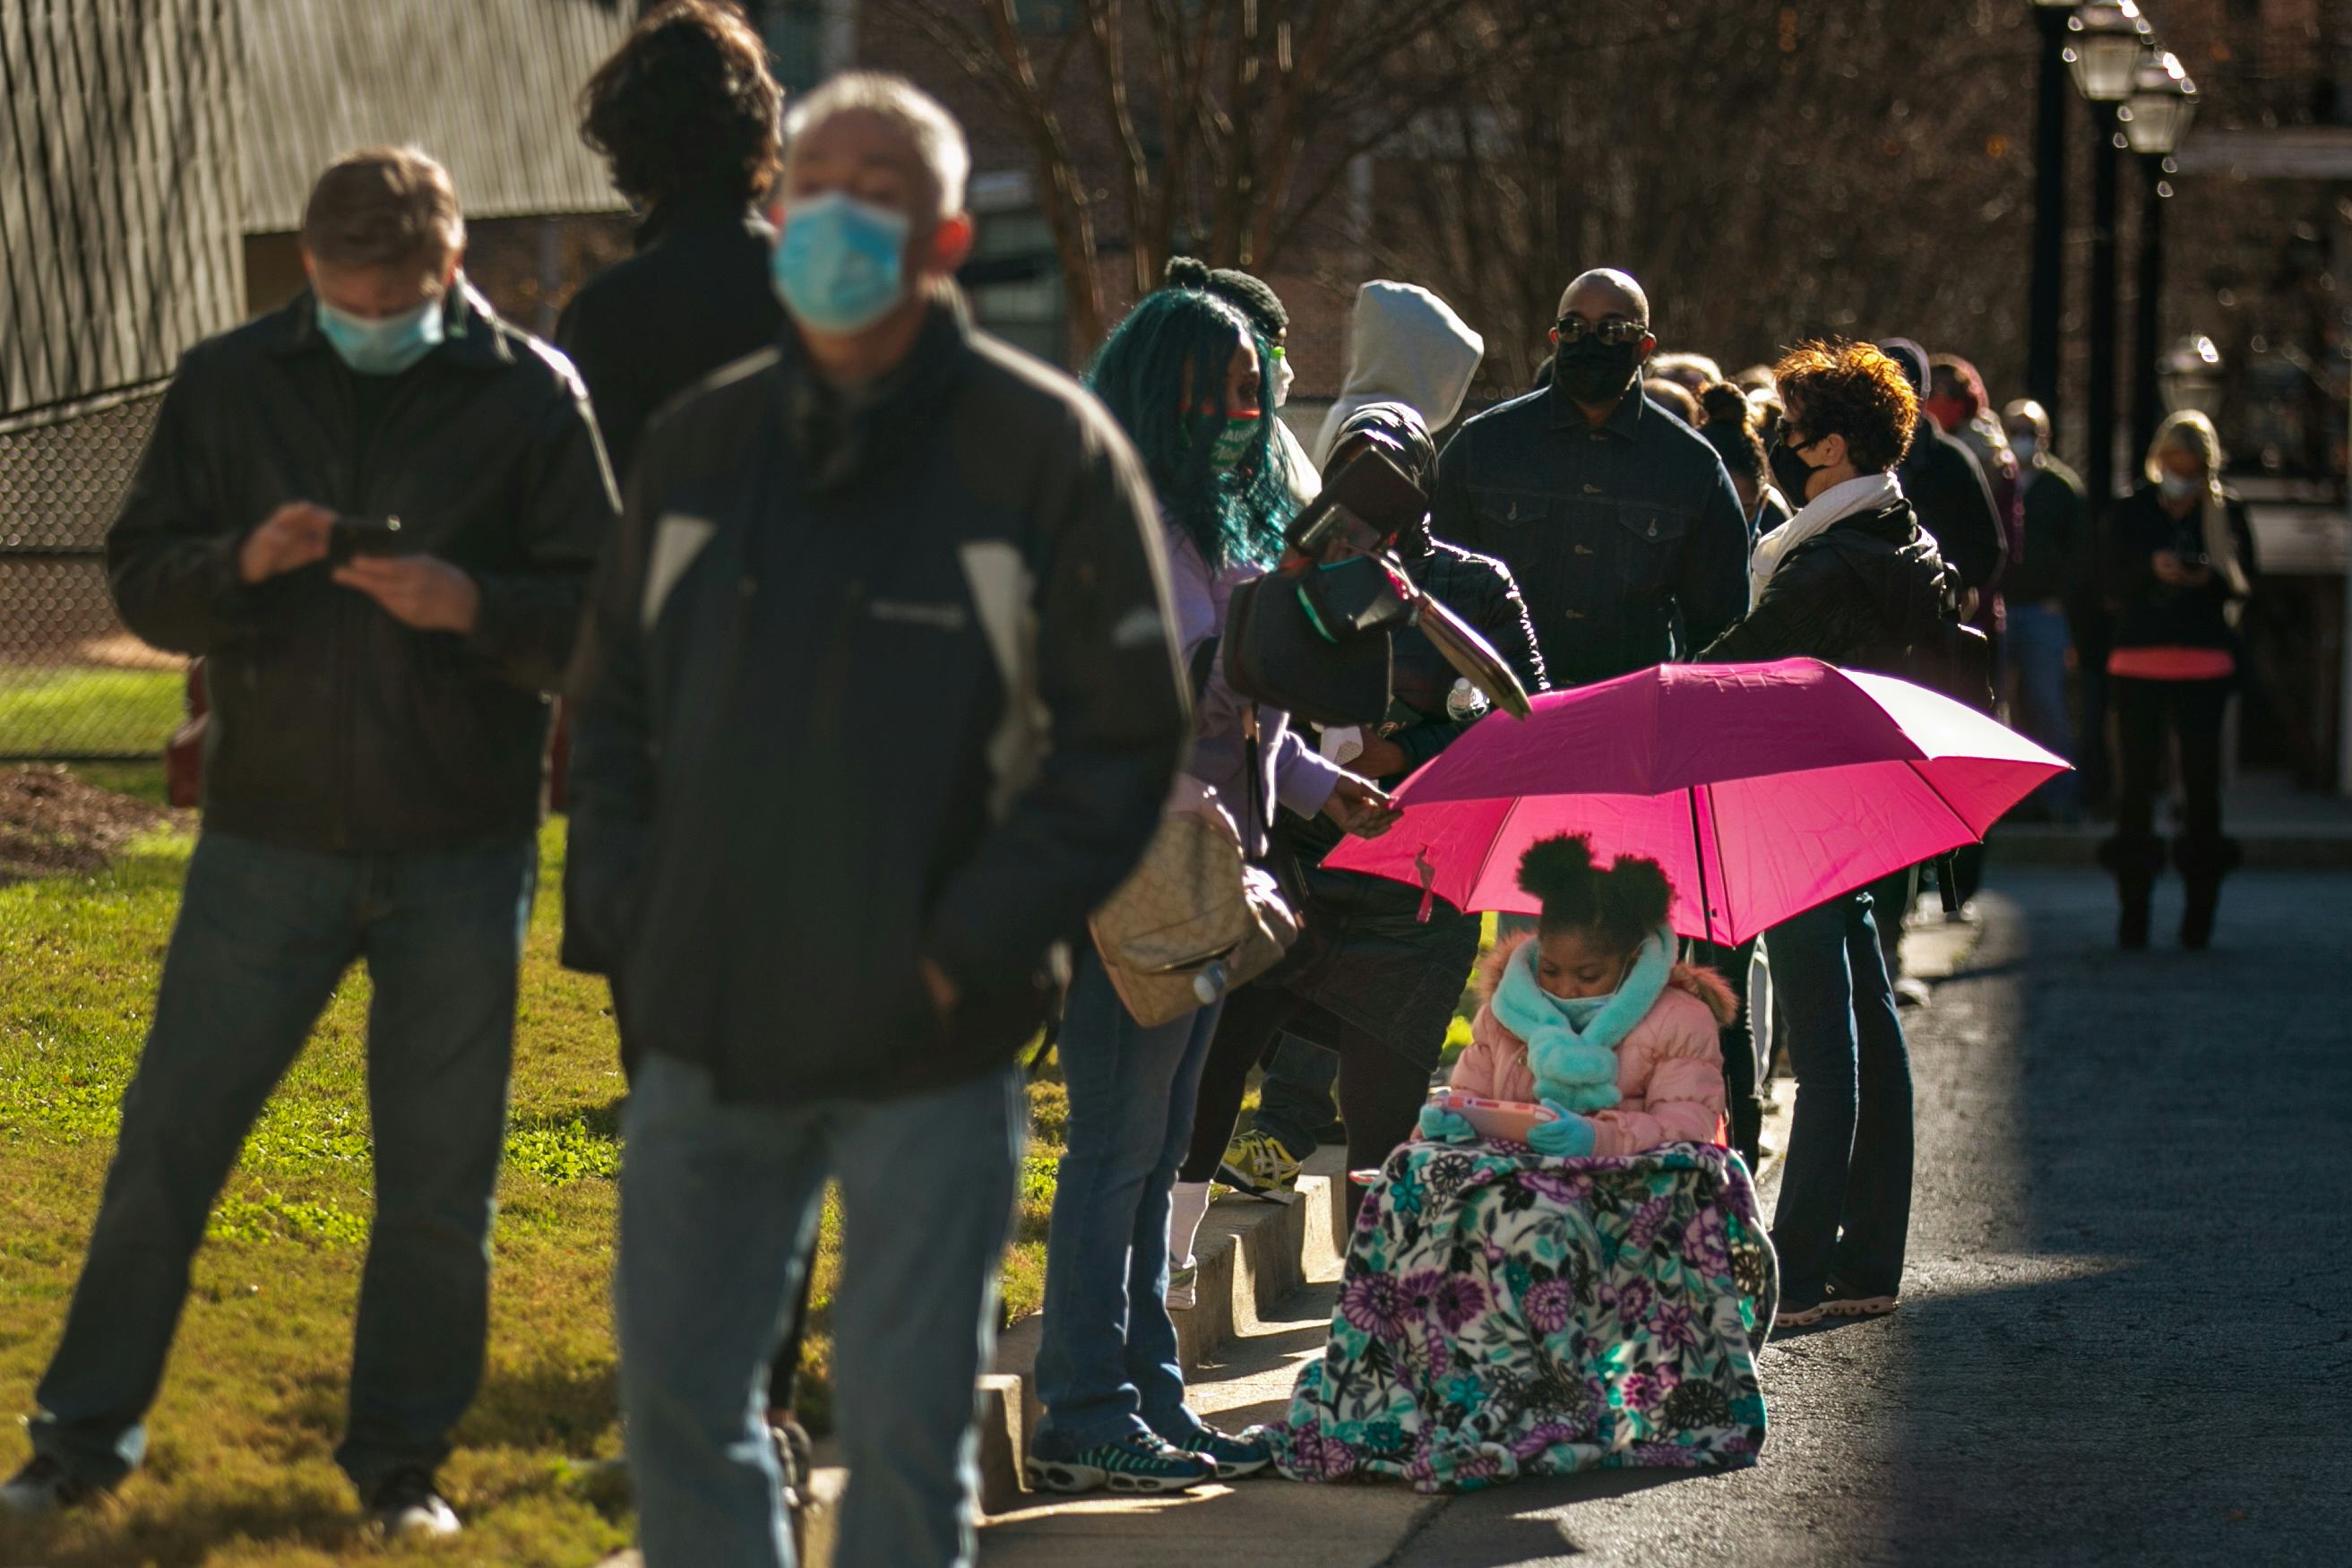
350,536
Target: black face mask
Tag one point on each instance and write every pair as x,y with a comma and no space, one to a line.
1592,372
1791,473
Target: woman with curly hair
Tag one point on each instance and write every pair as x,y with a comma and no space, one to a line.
1183,377
1592,1296
685,116
1852,579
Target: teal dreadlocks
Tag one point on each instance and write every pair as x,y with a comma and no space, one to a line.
1236,518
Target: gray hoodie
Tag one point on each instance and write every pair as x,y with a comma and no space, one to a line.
1406,346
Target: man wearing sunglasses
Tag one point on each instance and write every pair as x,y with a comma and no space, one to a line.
1618,521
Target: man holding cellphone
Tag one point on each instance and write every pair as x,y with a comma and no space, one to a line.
372,790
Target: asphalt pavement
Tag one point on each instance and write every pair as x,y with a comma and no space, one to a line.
2126,1330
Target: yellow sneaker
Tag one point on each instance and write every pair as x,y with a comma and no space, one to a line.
1255,1162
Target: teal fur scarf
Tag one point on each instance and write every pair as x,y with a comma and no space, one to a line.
1576,1068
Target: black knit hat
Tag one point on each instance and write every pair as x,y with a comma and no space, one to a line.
1251,295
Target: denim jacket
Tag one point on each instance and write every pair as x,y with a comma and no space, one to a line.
1626,537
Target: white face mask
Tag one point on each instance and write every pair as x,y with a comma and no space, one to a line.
1282,379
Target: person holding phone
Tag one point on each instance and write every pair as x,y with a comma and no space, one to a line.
372,792
2180,570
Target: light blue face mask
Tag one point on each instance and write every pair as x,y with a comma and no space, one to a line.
381,347
2179,486
840,264
1580,1011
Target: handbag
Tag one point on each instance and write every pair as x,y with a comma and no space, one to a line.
1194,919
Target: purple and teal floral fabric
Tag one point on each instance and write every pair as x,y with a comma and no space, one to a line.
1506,1315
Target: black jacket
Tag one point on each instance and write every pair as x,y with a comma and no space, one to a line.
695,296
1862,593
1947,488
2057,536
864,686
334,726
1610,529
2151,614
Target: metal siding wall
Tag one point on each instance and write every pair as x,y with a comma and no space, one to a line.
118,217
492,98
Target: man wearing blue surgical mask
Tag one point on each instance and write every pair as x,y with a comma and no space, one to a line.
372,513
876,700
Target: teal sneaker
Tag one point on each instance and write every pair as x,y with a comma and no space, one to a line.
1138,1462
1236,1454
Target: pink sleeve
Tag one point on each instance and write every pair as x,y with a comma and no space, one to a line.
1682,1101
1480,1068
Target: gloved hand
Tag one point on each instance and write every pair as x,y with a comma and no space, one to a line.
1570,1138
1444,1126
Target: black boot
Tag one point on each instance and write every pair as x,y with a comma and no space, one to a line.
2203,863
2135,859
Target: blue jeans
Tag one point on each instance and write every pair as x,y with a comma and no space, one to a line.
1846,1191
1107,1366
719,1209
1294,1098
264,936
2038,640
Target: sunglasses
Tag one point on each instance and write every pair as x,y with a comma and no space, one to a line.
1616,331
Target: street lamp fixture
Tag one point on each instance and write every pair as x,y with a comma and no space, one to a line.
2192,375
2109,38
2163,102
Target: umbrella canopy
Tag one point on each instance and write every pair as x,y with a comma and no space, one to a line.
1763,789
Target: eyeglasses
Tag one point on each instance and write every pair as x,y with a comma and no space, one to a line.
1616,331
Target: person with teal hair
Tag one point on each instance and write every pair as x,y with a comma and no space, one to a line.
1182,375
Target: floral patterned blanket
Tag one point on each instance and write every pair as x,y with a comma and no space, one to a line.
1504,1315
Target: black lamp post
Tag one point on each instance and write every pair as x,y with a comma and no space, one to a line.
2042,364
2155,118
2108,38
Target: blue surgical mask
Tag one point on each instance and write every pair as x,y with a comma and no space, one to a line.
2177,487
1580,1011
840,266
381,346
2024,447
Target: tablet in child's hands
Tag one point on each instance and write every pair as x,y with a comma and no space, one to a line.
1508,1120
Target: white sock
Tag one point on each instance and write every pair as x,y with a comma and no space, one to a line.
1190,1201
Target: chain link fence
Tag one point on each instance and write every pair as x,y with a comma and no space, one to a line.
75,685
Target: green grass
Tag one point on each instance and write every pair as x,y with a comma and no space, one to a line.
238,1470
64,711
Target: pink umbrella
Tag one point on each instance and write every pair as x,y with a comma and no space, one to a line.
1763,789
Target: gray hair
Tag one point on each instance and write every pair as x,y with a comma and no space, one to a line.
2186,431
939,141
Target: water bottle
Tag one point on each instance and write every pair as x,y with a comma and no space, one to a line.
1465,702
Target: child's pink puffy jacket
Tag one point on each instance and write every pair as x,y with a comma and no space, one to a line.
1669,1069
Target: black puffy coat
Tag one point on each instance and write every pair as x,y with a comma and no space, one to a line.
335,727
1953,501
1863,593
1367,955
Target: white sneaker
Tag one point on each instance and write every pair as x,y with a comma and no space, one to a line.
1180,1287
408,1506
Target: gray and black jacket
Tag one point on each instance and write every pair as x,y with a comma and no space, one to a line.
864,685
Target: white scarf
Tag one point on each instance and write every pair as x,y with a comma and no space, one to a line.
1869,492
